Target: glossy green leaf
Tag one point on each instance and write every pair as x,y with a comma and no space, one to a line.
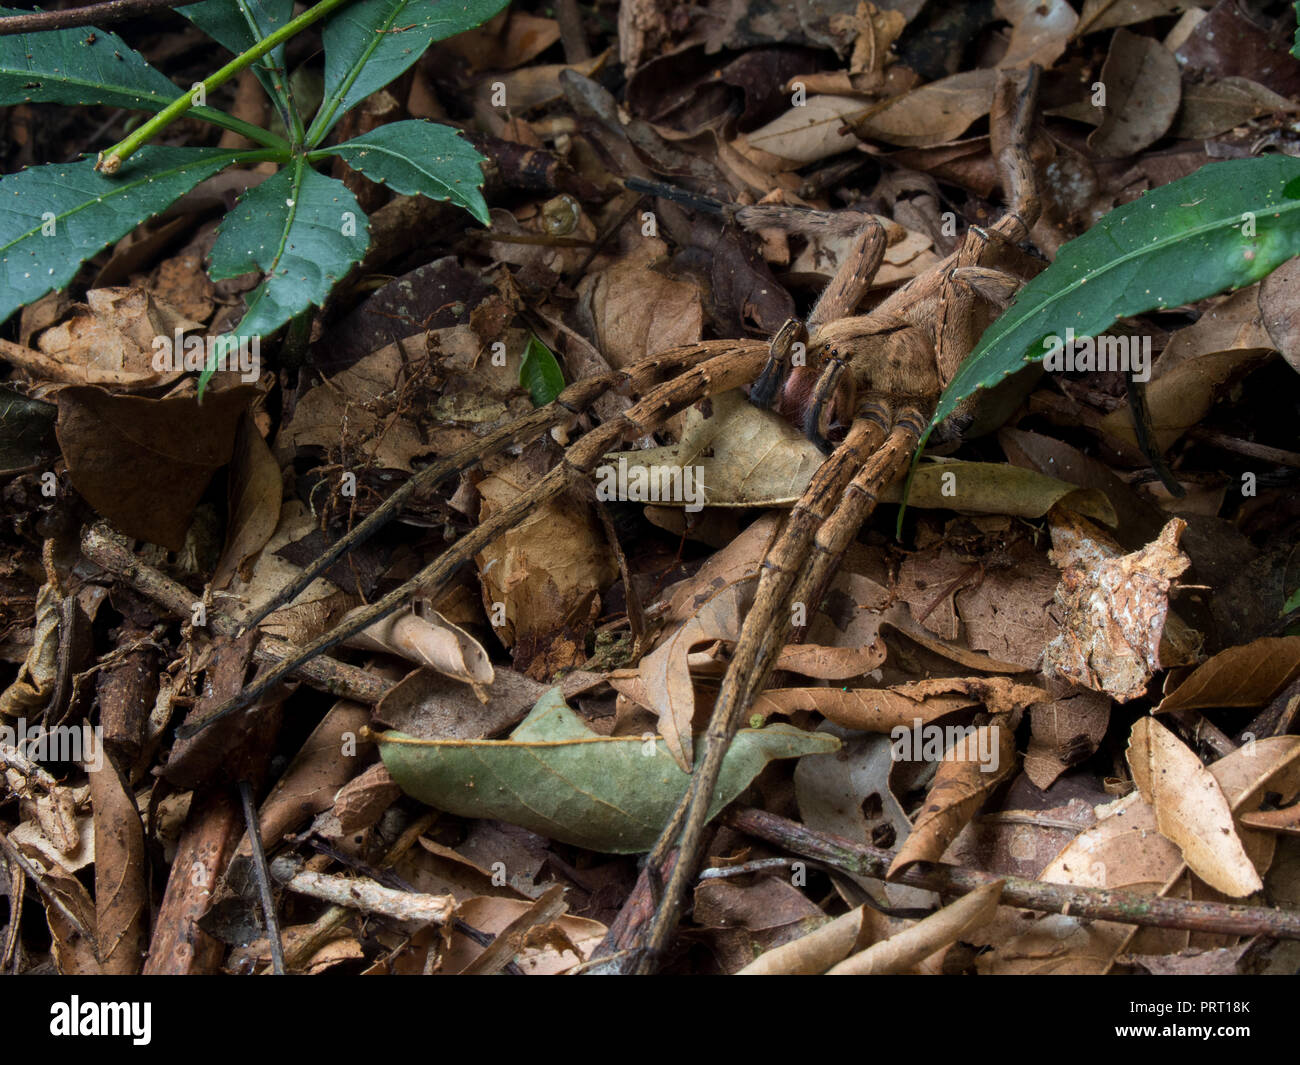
420,158
558,778
238,25
1225,226
540,373
371,42
303,230
84,66
53,218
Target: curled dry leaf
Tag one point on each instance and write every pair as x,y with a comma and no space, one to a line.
556,777
1114,606
541,957
1125,850
1064,732
899,953
430,640
971,768
1190,808
254,492
862,709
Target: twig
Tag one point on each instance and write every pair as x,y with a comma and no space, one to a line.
327,674
361,894
1098,904
263,877
91,15
1248,448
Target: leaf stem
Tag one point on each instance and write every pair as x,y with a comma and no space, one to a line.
110,160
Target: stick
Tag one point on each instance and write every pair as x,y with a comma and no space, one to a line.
263,877
104,549
358,893
1098,904
92,15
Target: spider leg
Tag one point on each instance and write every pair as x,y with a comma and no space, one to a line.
734,366
824,522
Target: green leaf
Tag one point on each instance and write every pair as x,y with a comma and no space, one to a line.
53,218
420,158
370,42
238,25
79,66
540,373
1179,243
558,778
1295,48
1292,603
84,66
304,230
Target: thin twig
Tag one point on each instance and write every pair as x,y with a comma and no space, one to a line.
1098,904
263,877
91,15
34,875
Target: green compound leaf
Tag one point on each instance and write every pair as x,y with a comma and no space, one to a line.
237,25
53,218
303,230
540,373
1224,227
556,777
370,42
420,158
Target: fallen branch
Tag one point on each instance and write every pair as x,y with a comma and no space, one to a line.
1098,904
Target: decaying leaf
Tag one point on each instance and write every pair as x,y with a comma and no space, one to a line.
427,638
557,777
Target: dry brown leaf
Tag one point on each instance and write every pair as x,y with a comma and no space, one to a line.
1249,675
970,770
1190,808
1064,732
121,888
1041,30
494,915
542,580
861,709
1114,606
145,463
635,310
1215,107
815,130
814,953
1143,90
933,114
254,491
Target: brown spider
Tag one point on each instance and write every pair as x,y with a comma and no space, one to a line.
887,368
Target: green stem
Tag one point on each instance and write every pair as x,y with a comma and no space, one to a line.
254,133
112,159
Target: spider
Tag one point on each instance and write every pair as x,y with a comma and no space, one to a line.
887,368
